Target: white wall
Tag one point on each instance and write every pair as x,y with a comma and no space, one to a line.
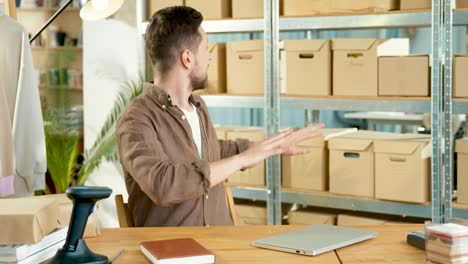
111,51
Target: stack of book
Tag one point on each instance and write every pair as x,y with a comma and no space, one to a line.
34,253
447,243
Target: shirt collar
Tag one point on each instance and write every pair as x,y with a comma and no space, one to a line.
164,98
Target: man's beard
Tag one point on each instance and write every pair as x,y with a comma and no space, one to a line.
197,82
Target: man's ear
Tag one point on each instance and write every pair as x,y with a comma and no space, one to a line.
187,59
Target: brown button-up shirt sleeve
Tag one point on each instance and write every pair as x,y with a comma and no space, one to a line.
229,148
143,157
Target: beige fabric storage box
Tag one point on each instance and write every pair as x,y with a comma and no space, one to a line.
305,67
245,70
404,76
253,176
211,9
402,170
355,64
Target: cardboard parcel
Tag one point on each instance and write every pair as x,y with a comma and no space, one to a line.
27,220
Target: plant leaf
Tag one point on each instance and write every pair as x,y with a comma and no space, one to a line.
105,146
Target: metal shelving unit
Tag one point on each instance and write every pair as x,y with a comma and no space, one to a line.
384,104
328,200
394,19
441,19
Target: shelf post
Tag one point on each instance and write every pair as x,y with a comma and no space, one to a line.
272,111
448,109
437,110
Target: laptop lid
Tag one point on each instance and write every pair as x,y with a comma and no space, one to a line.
314,240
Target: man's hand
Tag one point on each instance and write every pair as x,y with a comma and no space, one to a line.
284,142
311,131
261,150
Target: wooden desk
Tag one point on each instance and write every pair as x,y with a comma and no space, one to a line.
388,247
232,245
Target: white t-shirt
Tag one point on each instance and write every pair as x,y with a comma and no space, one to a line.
194,122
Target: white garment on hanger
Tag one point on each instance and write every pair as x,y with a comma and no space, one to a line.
20,82
6,149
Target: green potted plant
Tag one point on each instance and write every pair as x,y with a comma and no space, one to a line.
105,146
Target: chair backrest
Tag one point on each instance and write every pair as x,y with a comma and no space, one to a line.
126,219
230,203
123,212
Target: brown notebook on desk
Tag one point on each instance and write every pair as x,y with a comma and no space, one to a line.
185,250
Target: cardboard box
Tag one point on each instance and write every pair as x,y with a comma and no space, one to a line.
461,147
427,4
351,166
309,171
352,162
27,220
317,7
402,170
245,67
247,8
460,78
415,4
404,76
305,67
221,131
212,9
352,6
305,7
216,70
255,212
363,220
309,217
462,4
156,5
255,175
250,214
355,64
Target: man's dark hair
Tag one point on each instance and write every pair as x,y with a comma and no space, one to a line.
171,30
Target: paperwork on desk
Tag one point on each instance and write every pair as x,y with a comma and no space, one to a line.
447,243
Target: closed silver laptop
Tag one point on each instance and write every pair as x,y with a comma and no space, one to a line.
314,240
